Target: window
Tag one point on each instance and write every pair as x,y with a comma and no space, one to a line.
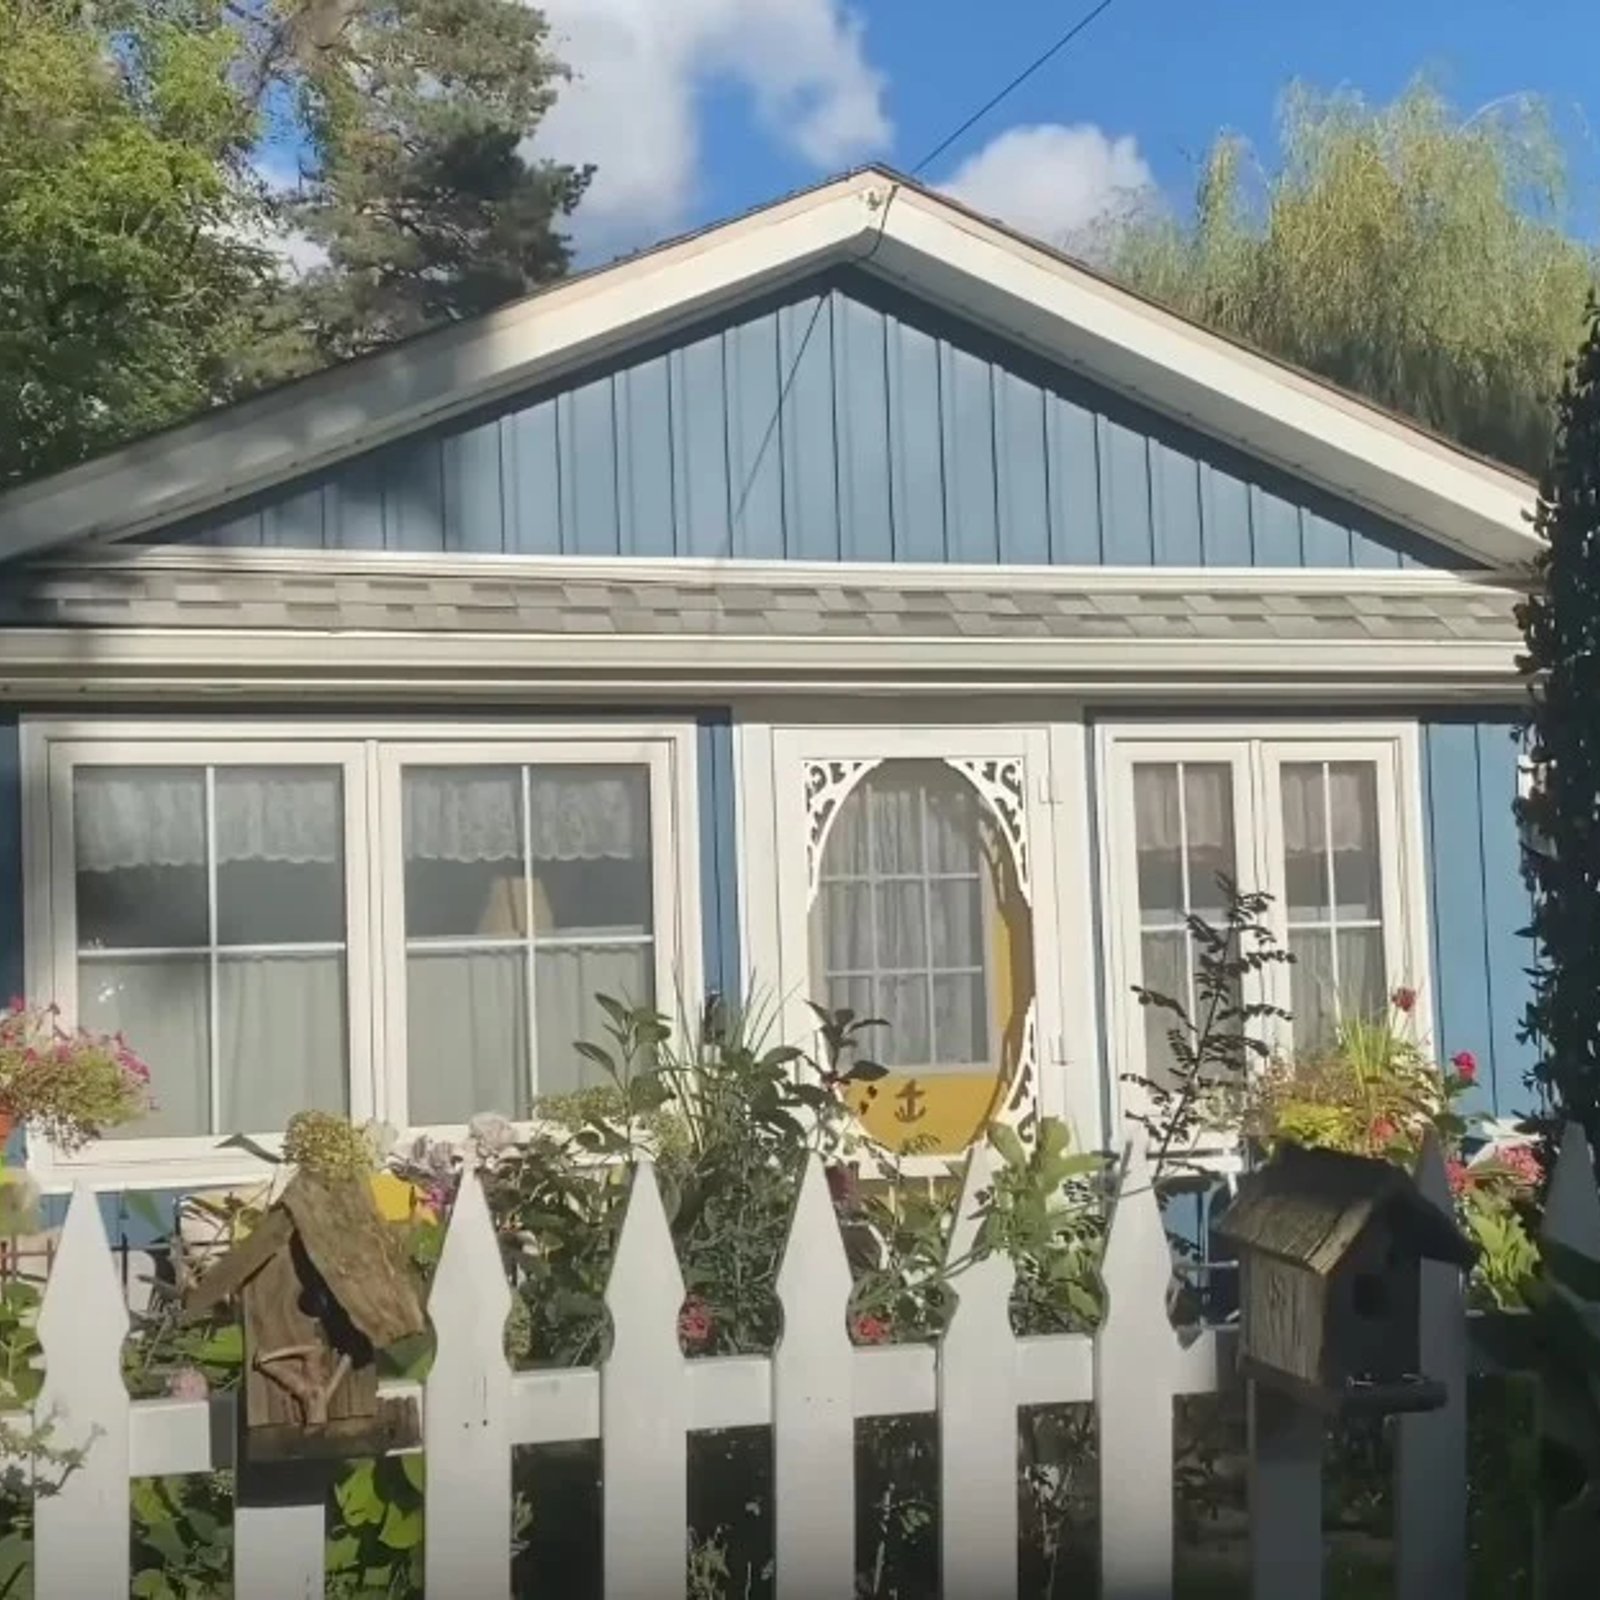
398,927
1326,825
909,896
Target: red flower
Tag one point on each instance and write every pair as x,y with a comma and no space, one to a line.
1381,1130
1404,999
1455,1170
870,1330
842,1185
695,1324
1466,1065
1522,1162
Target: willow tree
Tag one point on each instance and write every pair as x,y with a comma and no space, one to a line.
1417,258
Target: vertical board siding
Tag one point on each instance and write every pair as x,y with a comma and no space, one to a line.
847,422
1478,905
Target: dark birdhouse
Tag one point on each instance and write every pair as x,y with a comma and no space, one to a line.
1330,1253
323,1288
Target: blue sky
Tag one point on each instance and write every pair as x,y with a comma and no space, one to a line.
698,109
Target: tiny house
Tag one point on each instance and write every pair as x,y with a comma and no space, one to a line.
856,602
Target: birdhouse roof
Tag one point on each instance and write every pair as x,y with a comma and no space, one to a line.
1311,1207
345,1238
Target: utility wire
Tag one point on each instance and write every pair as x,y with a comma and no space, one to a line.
1015,84
737,508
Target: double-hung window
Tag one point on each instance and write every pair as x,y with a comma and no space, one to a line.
390,924
1325,822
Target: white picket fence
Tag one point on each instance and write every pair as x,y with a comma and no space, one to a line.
643,1400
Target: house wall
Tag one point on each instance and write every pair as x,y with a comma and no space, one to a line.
844,421
1479,904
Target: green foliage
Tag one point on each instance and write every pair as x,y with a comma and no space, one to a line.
123,278
1561,620
420,188
182,1537
1214,1046
1414,257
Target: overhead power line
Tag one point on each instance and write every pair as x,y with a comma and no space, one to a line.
1016,83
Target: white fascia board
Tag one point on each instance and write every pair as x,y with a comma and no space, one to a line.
130,663
247,561
1176,368
306,426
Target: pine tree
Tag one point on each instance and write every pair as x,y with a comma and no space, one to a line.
1561,621
418,182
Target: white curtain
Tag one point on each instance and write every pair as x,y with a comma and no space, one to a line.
467,1025
475,814
281,1037
156,817
898,926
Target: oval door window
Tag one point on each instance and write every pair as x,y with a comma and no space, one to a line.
920,918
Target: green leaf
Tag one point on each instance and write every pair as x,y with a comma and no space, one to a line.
414,1466
402,1529
147,1211
358,1497
343,1553
1008,1146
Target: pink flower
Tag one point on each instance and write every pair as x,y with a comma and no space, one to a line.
871,1330
695,1324
1522,1162
16,1005
1404,999
1466,1065
1381,1130
188,1383
1460,1179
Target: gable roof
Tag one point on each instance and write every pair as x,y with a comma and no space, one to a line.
1311,1207
928,244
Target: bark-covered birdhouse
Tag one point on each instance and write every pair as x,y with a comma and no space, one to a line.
1330,1251
322,1287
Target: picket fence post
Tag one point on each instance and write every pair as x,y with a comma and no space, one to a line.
644,1413
1136,1356
467,1408
81,1531
1431,1465
977,1398
1571,1224
813,1405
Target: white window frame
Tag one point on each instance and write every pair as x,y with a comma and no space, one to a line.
370,753
1256,750
771,746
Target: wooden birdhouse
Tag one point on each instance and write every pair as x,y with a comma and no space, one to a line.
322,1287
1330,1253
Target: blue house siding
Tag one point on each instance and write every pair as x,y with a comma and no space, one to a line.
843,422
1478,904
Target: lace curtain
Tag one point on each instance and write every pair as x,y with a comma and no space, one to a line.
1208,808
156,816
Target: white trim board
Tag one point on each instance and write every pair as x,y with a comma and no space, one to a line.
928,244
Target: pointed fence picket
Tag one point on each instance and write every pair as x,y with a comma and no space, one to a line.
646,1397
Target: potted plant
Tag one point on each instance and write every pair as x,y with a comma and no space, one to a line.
70,1085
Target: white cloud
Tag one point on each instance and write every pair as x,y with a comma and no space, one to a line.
640,67
1054,182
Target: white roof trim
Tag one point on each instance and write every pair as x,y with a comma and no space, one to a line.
931,245
941,576
222,663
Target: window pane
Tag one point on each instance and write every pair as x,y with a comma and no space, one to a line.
160,1004
1208,828
960,1026
955,907
902,928
1305,842
895,802
590,849
1357,879
565,984
1164,969
903,1004
1362,980
845,912
1313,1002
139,834
953,823
464,852
281,1030
1158,835
467,1035
280,856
